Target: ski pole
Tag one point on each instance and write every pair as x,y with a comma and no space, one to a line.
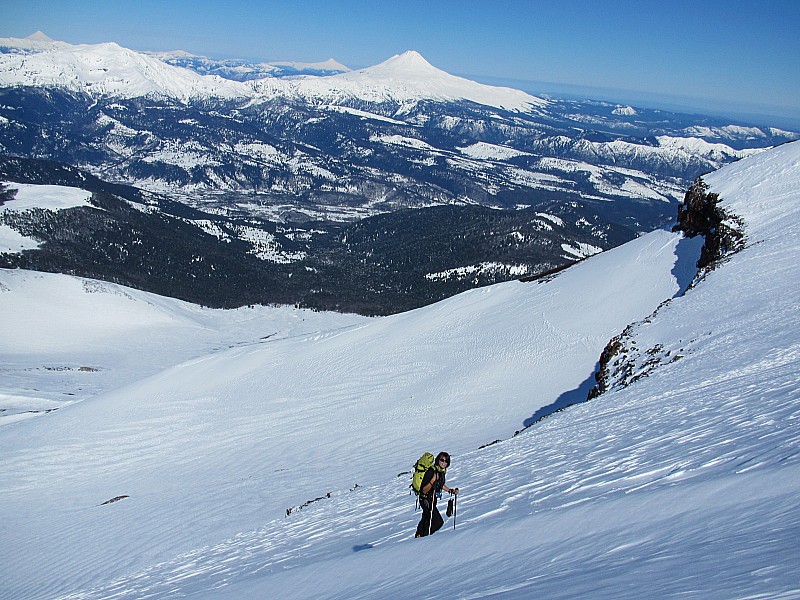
432,507
455,510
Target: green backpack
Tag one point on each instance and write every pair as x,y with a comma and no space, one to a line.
424,463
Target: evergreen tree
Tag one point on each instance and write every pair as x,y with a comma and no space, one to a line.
6,193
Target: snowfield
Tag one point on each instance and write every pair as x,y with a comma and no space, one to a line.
683,484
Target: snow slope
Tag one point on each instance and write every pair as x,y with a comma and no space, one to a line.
48,197
66,339
228,441
683,484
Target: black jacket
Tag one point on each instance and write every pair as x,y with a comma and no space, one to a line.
426,479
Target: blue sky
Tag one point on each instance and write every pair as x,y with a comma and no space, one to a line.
730,56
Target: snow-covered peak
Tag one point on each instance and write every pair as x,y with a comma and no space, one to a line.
110,70
408,76
699,146
40,36
331,64
409,64
625,111
106,70
33,43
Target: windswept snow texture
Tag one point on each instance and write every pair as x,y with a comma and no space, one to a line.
683,484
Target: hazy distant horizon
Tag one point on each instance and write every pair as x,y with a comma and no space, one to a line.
755,114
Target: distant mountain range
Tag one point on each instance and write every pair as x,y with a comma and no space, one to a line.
305,157
247,70
381,264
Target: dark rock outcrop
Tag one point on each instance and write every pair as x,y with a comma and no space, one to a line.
700,214
622,362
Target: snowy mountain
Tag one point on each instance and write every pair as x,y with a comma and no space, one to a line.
325,67
399,134
246,70
378,265
311,175
680,483
402,79
33,44
108,70
104,70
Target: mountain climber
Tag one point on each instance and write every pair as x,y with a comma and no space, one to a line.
430,491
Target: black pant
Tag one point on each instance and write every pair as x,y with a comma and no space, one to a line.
431,520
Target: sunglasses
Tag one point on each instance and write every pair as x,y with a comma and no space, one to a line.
444,461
